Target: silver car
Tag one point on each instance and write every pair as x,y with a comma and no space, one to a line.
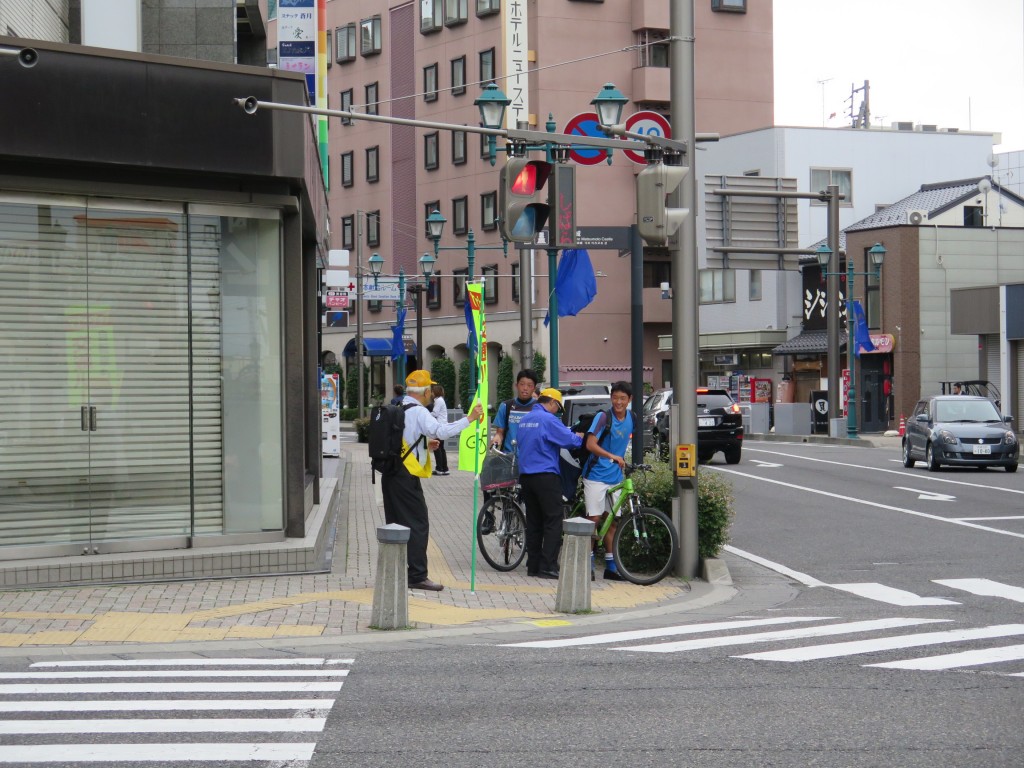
959,430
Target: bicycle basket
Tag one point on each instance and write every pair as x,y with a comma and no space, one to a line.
499,470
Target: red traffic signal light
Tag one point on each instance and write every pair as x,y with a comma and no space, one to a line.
522,203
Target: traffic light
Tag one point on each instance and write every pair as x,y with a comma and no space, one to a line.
653,184
522,203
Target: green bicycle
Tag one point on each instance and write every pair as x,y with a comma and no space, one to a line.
645,544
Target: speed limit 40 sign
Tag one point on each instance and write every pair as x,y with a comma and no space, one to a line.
649,124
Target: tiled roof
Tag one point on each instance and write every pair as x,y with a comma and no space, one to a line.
806,343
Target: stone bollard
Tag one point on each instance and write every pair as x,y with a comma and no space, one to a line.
391,588
573,594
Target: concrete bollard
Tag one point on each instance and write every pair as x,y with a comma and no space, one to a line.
391,588
573,594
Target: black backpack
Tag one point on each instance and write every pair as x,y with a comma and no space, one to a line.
586,458
387,423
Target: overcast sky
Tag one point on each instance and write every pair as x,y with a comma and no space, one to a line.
951,63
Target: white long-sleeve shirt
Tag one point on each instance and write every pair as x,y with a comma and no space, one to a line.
440,410
419,421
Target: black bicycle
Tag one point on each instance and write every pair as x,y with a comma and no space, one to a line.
501,521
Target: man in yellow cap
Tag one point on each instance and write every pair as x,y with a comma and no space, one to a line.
404,503
541,436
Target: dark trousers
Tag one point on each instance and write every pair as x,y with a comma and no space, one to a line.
404,504
542,494
441,458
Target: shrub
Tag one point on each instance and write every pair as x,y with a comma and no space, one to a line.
503,388
442,370
362,430
714,502
464,385
348,414
352,390
540,365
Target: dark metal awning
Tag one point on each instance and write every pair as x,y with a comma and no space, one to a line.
807,343
373,347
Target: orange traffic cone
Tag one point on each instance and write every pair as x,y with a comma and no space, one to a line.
903,425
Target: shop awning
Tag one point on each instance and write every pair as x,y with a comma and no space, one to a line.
807,343
378,347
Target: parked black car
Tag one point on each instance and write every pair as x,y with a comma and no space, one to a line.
719,427
959,430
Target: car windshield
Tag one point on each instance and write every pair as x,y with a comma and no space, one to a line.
578,409
709,400
656,401
966,411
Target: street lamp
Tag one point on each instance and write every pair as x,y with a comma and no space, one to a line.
608,104
492,103
427,268
376,263
876,256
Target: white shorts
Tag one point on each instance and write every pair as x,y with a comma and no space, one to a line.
595,495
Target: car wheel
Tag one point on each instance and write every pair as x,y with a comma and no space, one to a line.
930,460
732,455
1011,468
908,460
704,458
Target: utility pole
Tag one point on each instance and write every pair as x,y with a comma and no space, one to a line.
359,314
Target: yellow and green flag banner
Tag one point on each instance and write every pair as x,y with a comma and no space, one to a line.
473,440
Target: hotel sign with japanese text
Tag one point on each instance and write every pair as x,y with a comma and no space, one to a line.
516,61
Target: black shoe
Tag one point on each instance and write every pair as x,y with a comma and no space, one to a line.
548,574
612,575
487,526
593,576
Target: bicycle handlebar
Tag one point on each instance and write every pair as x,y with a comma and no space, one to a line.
631,468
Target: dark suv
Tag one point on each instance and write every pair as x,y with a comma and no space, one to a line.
719,427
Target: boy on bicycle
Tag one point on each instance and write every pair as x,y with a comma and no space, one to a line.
607,441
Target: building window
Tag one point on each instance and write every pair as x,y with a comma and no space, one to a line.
487,7
729,6
456,12
459,76
872,294
489,210
329,47
485,150
271,56
428,209
430,154
459,286
460,224
369,36
371,99
348,232
373,228
373,164
755,285
974,216
375,306
657,272
652,48
434,291
458,147
487,66
717,286
490,275
346,106
430,83
430,16
347,169
822,178
345,43
515,282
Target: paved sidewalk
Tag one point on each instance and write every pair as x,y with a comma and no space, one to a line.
327,605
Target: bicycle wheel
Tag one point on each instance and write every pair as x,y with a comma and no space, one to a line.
504,546
645,545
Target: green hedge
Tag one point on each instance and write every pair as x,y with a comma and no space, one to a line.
362,430
540,366
442,370
504,384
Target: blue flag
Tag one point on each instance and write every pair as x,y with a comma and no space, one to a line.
575,286
861,335
397,334
471,338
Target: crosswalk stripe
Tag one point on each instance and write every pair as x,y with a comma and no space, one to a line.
158,688
962,659
891,595
188,663
154,753
785,634
985,588
172,725
834,650
155,673
644,634
164,705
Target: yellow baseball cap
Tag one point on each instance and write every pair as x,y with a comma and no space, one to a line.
419,379
554,394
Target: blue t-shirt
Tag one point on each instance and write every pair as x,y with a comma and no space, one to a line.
603,469
509,420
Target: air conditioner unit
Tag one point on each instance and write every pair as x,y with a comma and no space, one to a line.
917,217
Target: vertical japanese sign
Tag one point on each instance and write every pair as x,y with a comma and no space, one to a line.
296,40
516,60
473,439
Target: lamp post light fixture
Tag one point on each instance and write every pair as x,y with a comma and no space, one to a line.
376,263
608,104
492,104
426,262
876,256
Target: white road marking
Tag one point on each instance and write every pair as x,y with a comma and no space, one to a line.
985,588
164,705
803,578
785,634
834,650
890,595
1003,517
644,634
766,464
172,725
864,502
956,660
926,495
189,662
173,752
156,673
158,688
